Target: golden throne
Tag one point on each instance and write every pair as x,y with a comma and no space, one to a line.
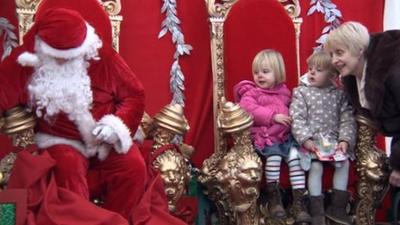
239,29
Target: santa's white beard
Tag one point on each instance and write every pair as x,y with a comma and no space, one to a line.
58,87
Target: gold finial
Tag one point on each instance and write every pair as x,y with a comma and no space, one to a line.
171,118
16,120
232,118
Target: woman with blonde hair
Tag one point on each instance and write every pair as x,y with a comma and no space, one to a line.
369,66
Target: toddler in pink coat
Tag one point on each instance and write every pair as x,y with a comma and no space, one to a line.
267,99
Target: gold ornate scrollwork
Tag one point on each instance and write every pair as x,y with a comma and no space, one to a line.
27,4
112,7
219,9
6,164
293,9
26,9
116,29
172,161
214,189
217,14
373,172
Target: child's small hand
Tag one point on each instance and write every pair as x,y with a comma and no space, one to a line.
283,119
342,146
310,146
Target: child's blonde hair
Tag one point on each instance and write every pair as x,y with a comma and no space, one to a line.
351,35
272,59
323,61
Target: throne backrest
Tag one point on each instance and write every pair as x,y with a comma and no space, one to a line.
254,25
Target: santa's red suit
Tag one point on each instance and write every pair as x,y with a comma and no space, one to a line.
88,139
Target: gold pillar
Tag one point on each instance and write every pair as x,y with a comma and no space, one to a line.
373,173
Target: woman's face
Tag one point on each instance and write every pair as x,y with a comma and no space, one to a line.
345,61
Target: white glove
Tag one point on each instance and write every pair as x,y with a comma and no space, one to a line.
106,134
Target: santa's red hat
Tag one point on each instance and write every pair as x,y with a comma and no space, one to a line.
61,33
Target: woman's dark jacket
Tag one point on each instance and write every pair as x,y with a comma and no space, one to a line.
382,87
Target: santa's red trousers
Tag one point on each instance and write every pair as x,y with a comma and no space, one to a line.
119,180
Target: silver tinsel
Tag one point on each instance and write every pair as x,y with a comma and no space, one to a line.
10,40
332,17
171,24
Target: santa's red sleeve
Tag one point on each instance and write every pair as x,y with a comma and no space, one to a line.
112,75
13,82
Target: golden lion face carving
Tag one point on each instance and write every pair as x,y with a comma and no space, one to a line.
374,167
240,175
175,174
249,176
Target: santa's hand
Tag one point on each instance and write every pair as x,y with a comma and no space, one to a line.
105,133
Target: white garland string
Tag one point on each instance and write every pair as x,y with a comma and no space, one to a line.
171,24
10,39
332,17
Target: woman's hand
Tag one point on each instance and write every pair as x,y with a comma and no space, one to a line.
394,178
283,119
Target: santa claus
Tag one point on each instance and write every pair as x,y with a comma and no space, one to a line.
88,103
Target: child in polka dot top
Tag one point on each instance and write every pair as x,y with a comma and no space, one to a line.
323,123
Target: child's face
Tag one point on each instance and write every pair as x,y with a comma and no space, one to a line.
318,77
265,77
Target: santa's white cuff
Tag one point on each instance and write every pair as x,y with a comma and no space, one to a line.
122,131
46,141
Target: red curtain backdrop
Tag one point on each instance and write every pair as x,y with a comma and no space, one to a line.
151,58
368,12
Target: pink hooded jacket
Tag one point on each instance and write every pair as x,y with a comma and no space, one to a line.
263,104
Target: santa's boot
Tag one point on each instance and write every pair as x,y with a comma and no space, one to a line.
275,206
299,210
336,210
317,210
